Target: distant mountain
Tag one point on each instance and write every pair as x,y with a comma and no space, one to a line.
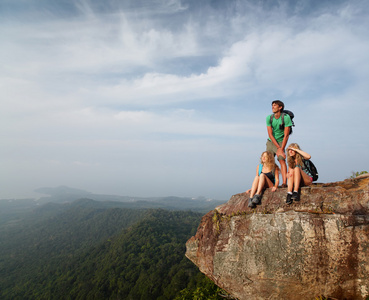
66,194
61,190
14,210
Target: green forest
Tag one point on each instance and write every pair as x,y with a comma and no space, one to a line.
89,249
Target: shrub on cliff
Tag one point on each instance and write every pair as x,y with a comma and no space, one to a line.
356,174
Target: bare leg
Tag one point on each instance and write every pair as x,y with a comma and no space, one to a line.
264,182
254,186
305,178
283,170
297,178
290,180
300,179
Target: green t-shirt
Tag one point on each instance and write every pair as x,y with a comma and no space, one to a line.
277,132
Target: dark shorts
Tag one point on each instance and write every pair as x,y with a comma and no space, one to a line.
270,176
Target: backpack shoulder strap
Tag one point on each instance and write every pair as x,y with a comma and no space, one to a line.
260,168
272,116
282,115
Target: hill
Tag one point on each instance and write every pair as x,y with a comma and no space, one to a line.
13,210
88,250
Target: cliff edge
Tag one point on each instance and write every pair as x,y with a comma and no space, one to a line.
316,247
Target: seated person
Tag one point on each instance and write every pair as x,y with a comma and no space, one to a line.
298,175
267,176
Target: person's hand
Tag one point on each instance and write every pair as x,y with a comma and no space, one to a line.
274,188
248,191
280,152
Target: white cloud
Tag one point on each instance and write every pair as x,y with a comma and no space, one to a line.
163,86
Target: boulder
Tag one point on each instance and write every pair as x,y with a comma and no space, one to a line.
318,246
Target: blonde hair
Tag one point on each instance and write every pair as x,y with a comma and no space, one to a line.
270,162
291,160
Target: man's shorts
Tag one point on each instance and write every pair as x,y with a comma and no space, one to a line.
272,148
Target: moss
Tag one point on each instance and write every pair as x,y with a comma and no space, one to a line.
216,220
324,210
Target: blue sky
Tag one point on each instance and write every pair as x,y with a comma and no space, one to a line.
170,97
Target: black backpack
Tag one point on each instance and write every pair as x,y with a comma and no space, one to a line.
312,169
288,112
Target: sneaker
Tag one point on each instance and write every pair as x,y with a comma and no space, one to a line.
289,199
283,185
256,199
295,196
251,205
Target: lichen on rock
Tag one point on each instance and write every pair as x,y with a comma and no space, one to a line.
316,247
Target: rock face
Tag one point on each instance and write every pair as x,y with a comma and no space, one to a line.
316,247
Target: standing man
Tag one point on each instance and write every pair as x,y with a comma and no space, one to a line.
279,132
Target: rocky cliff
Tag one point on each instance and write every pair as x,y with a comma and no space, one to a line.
316,247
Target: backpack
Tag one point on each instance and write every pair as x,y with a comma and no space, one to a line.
312,169
288,112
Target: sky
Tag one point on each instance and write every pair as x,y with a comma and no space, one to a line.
170,98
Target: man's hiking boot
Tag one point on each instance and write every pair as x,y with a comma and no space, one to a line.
256,199
251,205
289,199
295,196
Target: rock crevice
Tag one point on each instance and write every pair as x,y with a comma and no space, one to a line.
316,247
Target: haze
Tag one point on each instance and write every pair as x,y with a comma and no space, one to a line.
159,98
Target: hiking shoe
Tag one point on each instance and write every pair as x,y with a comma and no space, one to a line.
256,199
289,199
295,196
283,185
251,205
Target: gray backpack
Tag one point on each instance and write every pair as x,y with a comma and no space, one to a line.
288,112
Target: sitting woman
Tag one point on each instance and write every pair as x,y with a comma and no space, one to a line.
298,175
267,176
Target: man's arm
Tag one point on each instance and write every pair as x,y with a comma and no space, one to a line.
280,150
285,138
270,134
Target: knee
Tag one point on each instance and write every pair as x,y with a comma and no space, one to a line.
262,176
282,160
297,171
